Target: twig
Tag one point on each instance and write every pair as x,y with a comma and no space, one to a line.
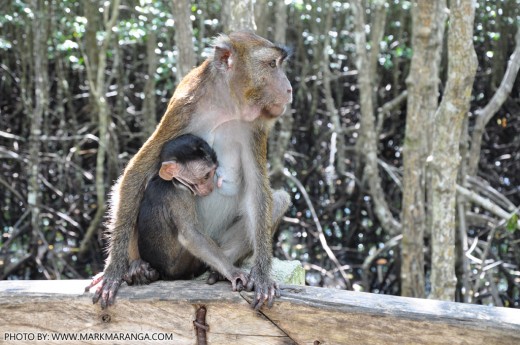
320,269
391,171
13,267
321,235
394,241
11,136
387,108
12,190
485,251
463,235
480,219
487,204
18,231
485,188
393,103
486,114
497,301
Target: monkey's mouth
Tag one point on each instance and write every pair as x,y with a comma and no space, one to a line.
276,109
194,188
190,186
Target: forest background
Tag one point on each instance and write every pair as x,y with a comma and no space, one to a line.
400,150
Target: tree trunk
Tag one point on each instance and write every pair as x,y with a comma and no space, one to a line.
41,87
186,58
98,97
462,63
280,29
367,142
264,16
149,109
428,20
280,138
225,15
337,141
241,15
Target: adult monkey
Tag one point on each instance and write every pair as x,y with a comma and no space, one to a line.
231,101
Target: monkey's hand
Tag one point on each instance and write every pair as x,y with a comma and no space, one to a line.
140,273
238,279
105,289
265,288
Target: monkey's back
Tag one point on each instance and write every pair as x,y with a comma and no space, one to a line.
162,208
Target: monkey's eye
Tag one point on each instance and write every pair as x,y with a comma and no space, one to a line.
207,176
272,64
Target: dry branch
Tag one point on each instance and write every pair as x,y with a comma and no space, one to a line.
484,115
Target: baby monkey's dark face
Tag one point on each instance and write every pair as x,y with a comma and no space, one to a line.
189,160
198,176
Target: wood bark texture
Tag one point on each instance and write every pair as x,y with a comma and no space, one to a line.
98,88
40,103
241,16
149,107
445,159
280,138
367,141
428,20
186,58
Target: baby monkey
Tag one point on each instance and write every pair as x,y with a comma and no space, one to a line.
171,243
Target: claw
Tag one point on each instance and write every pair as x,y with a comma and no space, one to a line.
260,299
270,299
266,290
95,280
277,291
106,290
96,296
250,284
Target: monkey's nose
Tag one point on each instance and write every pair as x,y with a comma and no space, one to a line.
289,90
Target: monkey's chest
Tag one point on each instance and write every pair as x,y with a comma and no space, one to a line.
217,212
220,209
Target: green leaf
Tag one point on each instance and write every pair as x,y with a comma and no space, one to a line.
512,223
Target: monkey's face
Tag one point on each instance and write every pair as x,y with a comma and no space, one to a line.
253,68
206,183
199,176
269,87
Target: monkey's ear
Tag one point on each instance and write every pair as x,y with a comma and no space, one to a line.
169,170
223,56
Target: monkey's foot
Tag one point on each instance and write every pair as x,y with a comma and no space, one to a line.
106,289
214,277
140,273
265,289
